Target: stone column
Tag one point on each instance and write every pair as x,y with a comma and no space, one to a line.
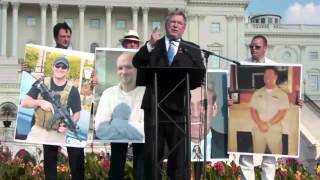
247,51
81,26
231,37
43,23
240,46
135,18
108,25
145,11
193,28
15,7
4,29
54,9
302,52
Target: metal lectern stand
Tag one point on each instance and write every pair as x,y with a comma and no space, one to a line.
173,79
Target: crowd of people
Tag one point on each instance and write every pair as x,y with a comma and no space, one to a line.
169,50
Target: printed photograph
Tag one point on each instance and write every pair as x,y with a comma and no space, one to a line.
217,118
266,118
118,116
56,95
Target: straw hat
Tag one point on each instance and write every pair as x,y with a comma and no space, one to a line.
131,35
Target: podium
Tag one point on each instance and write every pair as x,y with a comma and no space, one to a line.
173,81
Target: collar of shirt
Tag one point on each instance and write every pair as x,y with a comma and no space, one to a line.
128,93
262,60
201,144
175,46
265,60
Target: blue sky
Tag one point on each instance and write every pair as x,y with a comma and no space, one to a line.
292,11
272,6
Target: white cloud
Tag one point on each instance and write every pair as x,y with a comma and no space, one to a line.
302,14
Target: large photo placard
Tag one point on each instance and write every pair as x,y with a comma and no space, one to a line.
265,116
118,116
61,115
217,118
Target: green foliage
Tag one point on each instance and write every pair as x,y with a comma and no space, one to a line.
49,63
96,166
87,63
16,168
221,170
75,65
257,172
128,170
25,156
5,154
8,109
21,166
31,58
290,168
62,159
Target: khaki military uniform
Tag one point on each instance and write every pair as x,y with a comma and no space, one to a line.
267,103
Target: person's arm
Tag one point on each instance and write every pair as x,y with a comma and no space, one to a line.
198,59
263,126
31,101
76,116
103,113
142,57
278,117
74,102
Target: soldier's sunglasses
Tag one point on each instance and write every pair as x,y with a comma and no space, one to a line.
254,46
62,66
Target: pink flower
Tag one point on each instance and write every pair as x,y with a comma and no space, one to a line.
21,154
218,166
2,158
106,164
233,169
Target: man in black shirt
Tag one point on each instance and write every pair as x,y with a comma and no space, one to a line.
62,35
69,96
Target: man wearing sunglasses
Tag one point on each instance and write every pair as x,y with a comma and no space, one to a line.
70,96
258,49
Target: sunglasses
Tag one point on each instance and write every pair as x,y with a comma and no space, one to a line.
254,46
62,66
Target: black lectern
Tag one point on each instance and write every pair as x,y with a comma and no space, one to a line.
173,80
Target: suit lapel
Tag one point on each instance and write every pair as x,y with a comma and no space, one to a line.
179,55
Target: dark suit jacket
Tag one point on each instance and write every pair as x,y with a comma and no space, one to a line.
186,57
219,145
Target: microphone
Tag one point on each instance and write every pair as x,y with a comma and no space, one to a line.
206,52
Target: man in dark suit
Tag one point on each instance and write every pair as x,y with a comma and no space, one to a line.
169,51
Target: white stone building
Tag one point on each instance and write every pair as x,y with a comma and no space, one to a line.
216,25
